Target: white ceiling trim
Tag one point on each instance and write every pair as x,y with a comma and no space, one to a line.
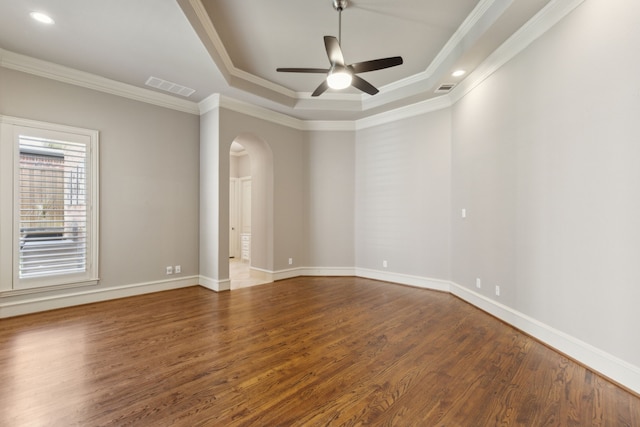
467,27
38,67
485,13
199,19
481,17
217,100
542,22
413,110
534,28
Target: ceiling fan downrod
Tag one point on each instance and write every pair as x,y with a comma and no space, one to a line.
341,75
339,5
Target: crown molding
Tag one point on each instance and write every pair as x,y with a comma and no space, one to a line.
533,29
412,110
49,70
542,22
231,70
485,9
217,101
472,27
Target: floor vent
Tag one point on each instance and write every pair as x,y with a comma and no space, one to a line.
171,87
445,87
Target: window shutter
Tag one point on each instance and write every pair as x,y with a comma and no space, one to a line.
53,213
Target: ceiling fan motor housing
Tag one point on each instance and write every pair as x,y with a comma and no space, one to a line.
341,75
339,4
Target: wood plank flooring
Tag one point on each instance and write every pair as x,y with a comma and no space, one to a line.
299,352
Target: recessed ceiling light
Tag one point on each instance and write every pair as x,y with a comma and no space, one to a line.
458,73
42,17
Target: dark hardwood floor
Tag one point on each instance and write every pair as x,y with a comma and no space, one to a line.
299,352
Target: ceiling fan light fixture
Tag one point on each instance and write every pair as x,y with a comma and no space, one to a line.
340,75
339,79
41,17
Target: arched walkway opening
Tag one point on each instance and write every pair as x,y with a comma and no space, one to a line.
250,211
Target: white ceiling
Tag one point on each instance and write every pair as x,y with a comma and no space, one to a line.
232,47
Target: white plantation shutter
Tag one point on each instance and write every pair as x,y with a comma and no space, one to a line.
53,210
49,204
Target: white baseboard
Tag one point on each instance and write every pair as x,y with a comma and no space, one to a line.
405,279
312,271
215,285
86,296
623,373
261,274
617,370
328,271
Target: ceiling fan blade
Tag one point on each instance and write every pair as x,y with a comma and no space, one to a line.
321,89
376,64
303,70
363,85
334,52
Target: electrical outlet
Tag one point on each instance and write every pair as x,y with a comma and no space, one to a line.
178,269
169,270
497,290
290,261
478,283
384,264
463,213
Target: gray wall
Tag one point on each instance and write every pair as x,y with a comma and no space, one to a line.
545,159
543,155
402,196
148,174
279,220
331,201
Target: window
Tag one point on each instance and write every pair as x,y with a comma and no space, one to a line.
54,209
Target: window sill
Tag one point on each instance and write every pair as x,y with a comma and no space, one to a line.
40,289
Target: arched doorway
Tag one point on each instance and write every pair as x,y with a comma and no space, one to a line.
250,211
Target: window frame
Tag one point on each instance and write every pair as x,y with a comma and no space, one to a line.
11,130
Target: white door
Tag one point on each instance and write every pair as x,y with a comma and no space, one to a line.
233,218
245,197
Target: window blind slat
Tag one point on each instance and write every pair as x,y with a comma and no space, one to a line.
53,215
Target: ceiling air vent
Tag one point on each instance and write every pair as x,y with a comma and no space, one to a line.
444,88
171,87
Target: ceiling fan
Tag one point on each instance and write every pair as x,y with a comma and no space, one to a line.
340,75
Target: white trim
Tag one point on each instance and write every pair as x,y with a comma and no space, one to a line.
610,366
260,112
551,14
404,279
423,107
6,206
13,128
213,284
599,361
542,22
473,20
266,275
288,273
328,271
330,125
448,51
69,299
49,70
217,100
230,70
